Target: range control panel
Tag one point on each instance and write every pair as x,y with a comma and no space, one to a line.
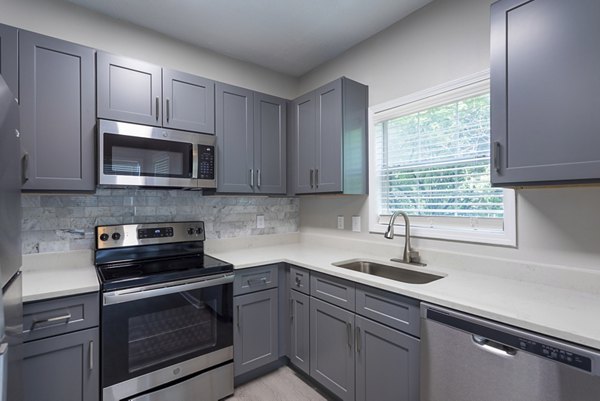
116,236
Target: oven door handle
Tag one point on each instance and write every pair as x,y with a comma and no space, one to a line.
135,294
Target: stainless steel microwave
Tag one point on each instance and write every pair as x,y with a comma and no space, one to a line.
139,155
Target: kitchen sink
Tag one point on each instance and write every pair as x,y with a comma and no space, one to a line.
388,271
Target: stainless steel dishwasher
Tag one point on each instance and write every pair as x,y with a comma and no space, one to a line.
465,358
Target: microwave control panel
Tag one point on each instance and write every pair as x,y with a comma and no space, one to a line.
206,162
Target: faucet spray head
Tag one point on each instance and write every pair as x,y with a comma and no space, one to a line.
389,233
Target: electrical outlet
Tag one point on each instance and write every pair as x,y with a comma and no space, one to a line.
260,221
356,224
340,222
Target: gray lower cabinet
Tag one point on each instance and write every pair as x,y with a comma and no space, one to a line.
544,92
299,350
332,348
9,60
256,341
143,93
251,141
57,95
387,363
62,368
328,139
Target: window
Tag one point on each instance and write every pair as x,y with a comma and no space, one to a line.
431,154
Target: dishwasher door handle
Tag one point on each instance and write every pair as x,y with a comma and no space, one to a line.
493,347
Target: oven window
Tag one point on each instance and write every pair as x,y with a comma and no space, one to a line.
129,155
159,336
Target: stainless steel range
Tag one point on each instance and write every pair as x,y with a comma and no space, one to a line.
167,313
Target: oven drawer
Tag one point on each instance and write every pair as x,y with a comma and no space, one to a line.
255,279
60,315
300,279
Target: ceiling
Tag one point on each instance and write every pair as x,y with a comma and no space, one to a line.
289,36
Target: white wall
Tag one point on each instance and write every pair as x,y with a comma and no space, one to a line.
447,40
73,23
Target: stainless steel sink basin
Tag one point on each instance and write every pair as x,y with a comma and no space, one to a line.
390,272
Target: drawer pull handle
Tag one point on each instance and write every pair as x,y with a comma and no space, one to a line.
64,319
257,281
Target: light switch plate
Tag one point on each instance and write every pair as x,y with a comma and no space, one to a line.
260,221
356,224
340,222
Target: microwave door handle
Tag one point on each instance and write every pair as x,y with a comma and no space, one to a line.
139,293
195,161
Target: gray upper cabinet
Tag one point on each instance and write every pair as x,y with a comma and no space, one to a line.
332,348
143,93
256,341
62,368
329,139
299,350
251,142
9,57
544,92
387,363
129,90
57,96
188,102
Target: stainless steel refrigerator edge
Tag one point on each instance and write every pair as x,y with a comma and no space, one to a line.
11,312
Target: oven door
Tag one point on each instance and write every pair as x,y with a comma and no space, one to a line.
138,155
164,332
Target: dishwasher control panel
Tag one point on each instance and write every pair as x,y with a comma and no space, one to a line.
555,353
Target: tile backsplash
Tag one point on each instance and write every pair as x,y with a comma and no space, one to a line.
56,222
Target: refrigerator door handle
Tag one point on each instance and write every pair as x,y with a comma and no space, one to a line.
3,370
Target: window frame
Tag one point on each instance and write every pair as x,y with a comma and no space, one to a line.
438,227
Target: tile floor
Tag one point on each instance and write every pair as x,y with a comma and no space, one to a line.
280,385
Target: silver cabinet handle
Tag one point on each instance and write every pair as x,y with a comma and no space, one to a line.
52,320
157,106
291,309
168,110
496,156
312,177
25,168
257,281
252,178
239,318
258,178
349,332
91,355
358,339
317,178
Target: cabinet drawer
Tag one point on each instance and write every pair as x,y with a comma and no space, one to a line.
300,279
60,315
255,279
334,290
393,310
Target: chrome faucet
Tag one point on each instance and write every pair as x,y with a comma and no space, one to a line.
409,256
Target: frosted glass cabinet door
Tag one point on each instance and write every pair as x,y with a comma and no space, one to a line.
57,85
544,92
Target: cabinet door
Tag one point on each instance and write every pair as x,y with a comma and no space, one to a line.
235,140
387,363
57,84
256,330
270,144
304,132
544,91
332,348
62,368
328,174
129,90
299,353
9,60
188,102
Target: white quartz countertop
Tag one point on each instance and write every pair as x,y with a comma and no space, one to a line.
566,313
53,275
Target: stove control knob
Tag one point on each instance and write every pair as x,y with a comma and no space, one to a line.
190,231
198,230
116,236
104,237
